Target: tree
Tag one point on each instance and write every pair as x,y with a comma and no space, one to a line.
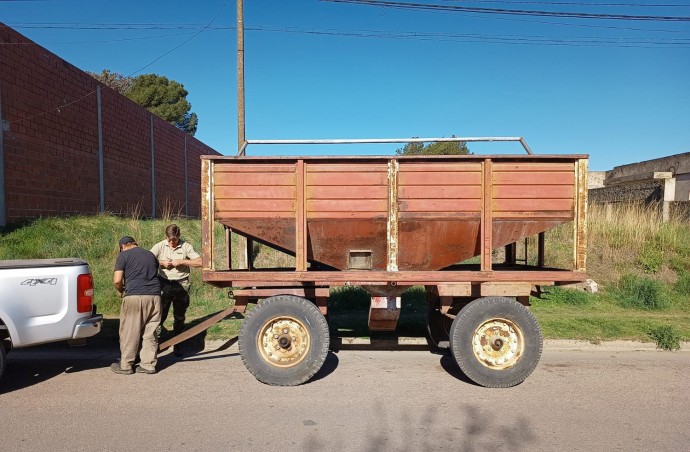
115,80
165,98
435,148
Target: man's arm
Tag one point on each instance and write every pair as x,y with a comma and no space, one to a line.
118,281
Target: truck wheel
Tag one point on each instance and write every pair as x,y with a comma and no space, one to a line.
284,340
496,342
2,359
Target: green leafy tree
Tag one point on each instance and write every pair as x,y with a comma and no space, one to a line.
166,99
435,148
115,80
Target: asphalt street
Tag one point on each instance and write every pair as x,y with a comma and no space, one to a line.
613,396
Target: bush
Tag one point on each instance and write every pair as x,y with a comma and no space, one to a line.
683,284
666,337
651,258
573,297
642,293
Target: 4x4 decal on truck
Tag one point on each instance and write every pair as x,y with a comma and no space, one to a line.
35,281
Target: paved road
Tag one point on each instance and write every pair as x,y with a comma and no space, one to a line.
597,398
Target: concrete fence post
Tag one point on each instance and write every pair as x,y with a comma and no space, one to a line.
186,181
153,174
669,197
3,207
101,185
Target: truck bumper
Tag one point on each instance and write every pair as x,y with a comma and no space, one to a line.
88,327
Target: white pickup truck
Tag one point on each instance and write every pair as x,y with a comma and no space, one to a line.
45,300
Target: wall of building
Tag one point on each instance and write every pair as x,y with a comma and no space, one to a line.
641,192
51,153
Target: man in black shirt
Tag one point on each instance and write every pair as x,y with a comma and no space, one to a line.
136,280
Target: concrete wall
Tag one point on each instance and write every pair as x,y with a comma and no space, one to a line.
678,165
642,192
50,150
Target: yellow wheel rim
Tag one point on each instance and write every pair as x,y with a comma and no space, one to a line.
283,341
498,343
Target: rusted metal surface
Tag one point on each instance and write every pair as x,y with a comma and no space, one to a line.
416,215
207,213
384,313
498,344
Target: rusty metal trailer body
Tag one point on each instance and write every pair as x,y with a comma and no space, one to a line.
388,223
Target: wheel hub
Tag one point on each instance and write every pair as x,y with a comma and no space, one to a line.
498,344
283,341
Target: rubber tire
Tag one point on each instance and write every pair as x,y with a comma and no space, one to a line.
474,315
279,306
3,359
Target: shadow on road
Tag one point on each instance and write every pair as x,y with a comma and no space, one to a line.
24,373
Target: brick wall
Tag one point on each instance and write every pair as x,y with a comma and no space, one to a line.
49,143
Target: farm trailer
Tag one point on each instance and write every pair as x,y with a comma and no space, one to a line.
386,224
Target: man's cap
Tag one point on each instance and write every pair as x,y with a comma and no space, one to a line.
126,239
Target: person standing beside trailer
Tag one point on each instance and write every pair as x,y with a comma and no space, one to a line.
136,279
175,257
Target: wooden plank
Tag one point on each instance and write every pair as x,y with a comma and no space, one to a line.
580,233
461,216
532,191
256,179
542,205
207,215
253,205
347,179
440,192
254,192
376,167
300,219
426,167
239,167
440,205
346,215
487,220
193,331
505,289
346,205
335,278
536,214
534,178
531,167
440,178
225,215
333,192
455,290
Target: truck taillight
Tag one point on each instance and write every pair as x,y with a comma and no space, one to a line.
85,293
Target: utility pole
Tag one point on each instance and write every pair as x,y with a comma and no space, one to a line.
241,135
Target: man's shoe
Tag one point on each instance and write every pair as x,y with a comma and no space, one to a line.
142,370
115,367
177,351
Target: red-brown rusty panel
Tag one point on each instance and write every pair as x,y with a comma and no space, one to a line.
335,192
347,179
253,205
243,167
539,205
241,179
330,241
534,178
433,244
440,205
349,167
533,191
277,231
439,192
429,167
510,231
550,167
441,178
254,192
314,207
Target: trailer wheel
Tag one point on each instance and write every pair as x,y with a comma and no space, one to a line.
2,359
496,342
284,340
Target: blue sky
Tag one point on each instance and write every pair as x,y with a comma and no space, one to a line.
618,90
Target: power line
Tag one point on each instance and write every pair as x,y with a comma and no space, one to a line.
525,2
510,12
